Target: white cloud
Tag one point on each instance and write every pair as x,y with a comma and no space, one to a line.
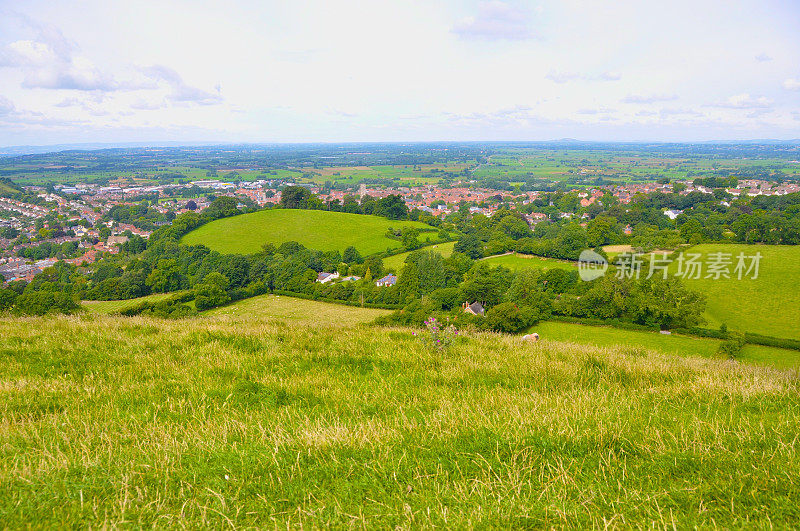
6,106
653,98
181,92
745,101
791,84
495,20
763,58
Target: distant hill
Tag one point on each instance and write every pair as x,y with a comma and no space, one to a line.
7,186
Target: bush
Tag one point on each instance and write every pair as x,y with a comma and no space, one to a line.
731,348
44,302
510,318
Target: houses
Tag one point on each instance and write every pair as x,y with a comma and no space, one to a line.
388,280
672,214
476,308
323,277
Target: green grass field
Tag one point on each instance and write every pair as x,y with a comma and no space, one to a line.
396,261
108,307
316,229
247,418
674,344
291,310
521,261
768,305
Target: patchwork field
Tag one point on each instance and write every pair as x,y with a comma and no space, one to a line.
316,229
768,305
242,420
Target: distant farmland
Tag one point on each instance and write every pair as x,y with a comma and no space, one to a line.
316,229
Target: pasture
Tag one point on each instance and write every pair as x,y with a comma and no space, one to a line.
242,420
316,229
291,310
524,261
674,344
109,307
396,261
768,305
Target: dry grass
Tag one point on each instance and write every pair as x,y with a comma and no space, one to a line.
244,420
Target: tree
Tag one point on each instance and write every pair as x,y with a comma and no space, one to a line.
209,295
510,318
470,246
393,207
191,205
295,197
352,256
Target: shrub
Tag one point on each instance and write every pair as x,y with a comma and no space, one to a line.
731,348
510,318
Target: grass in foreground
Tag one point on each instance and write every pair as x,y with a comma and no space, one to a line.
316,229
241,420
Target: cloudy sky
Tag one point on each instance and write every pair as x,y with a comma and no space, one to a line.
295,71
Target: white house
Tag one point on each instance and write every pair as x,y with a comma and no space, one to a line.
323,277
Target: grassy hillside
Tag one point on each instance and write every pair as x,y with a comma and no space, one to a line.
245,419
290,310
396,261
523,261
666,344
316,229
769,305
108,307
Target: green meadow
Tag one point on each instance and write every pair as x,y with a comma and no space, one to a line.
109,307
673,344
396,261
316,229
768,305
278,413
522,261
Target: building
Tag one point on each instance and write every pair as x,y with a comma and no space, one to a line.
323,277
388,280
475,308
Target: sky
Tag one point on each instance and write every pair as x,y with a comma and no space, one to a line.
341,71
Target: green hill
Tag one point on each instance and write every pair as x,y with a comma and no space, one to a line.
8,187
768,305
262,415
316,229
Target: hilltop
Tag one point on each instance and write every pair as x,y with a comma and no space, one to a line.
247,417
316,229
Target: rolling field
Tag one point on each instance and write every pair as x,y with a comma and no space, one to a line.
291,310
243,419
108,307
396,261
674,344
768,305
316,229
521,261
